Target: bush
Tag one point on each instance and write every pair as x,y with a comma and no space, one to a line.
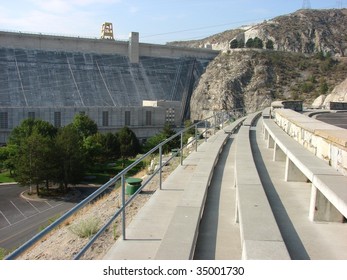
86,228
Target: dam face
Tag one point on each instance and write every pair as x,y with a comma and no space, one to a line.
53,82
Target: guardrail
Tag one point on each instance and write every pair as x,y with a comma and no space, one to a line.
201,128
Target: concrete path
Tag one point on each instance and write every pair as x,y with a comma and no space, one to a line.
219,236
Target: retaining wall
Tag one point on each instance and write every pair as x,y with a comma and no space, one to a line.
326,141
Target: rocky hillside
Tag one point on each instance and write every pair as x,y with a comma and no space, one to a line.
252,79
338,94
308,60
305,31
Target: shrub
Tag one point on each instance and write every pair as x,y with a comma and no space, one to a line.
86,228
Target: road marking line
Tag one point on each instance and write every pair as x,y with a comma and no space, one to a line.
5,218
33,206
18,209
49,204
30,216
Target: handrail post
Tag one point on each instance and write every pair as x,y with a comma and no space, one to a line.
160,165
181,155
214,123
196,138
205,130
123,207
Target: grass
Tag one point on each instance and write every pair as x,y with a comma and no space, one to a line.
101,173
86,228
3,253
5,177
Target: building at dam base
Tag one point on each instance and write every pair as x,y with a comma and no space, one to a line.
117,84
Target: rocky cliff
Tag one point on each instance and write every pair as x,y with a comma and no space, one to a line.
305,31
252,79
308,60
338,94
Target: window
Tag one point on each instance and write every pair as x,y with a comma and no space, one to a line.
170,115
31,115
3,120
148,118
105,118
127,118
57,119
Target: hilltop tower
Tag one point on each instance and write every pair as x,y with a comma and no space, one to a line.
107,31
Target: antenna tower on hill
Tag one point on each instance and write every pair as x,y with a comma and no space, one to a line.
339,4
306,4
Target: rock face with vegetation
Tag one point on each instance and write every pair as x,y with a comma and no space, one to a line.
305,31
252,79
338,94
297,56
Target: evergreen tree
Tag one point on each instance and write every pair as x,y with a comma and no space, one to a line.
70,156
34,163
258,43
128,143
269,45
249,43
233,44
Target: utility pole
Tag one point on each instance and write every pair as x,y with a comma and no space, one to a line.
339,4
306,4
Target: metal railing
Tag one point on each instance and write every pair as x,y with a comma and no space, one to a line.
201,128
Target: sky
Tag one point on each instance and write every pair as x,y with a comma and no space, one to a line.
157,21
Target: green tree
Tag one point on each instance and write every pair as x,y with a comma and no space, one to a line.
70,156
233,44
258,43
34,164
28,126
19,136
128,143
110,144
164,134
250,43
323,87
269,45
84,125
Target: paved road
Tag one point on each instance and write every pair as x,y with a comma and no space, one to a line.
337,119
20,219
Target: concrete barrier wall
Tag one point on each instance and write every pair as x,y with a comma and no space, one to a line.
326,141
85,45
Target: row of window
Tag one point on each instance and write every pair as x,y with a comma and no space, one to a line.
170,118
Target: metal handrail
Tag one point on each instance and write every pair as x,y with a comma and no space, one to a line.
218,119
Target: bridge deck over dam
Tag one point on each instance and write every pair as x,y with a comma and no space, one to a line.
218,235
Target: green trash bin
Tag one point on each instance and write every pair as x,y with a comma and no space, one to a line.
133,184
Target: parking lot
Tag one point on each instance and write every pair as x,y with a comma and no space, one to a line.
14,208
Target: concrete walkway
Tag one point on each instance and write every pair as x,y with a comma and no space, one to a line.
219,236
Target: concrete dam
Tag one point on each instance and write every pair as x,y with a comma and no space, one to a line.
115,83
